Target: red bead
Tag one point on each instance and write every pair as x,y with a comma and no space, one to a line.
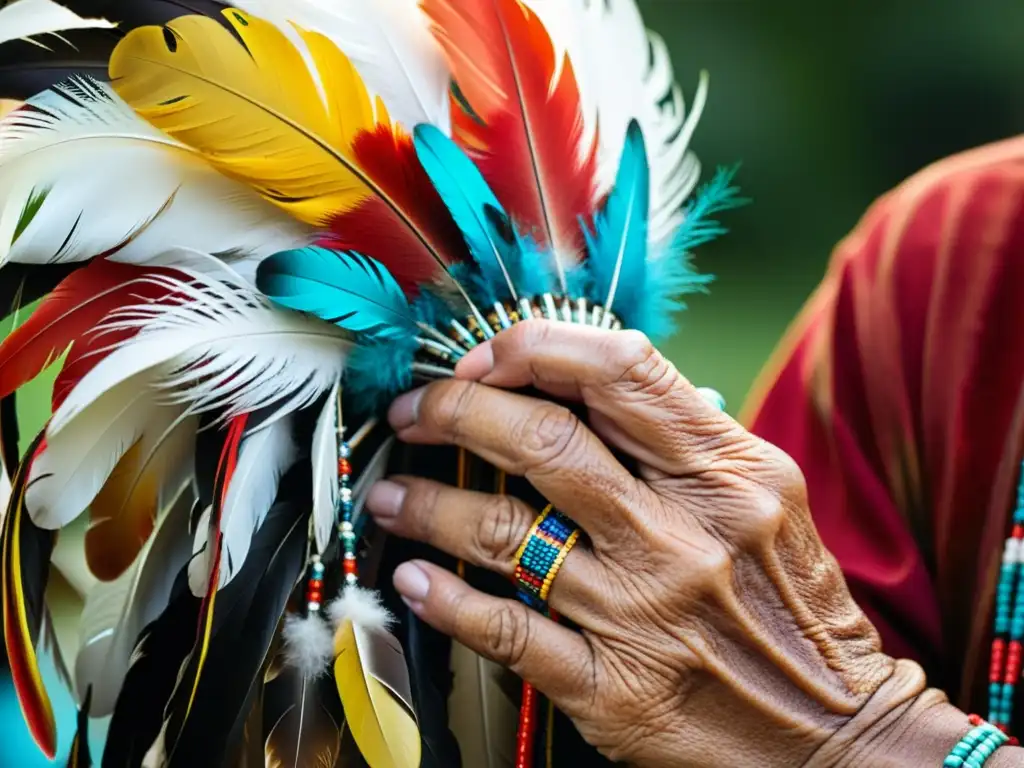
1018,531
1013,742
344,468
315,583
974,720
314,595
527,727
350,566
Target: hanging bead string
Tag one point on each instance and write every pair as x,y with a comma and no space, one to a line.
315,586
346,529
1006,656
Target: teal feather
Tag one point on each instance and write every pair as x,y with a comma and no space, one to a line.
487,229
378,369
617,247
344,288
716,196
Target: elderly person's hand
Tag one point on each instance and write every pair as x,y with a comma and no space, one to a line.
716,629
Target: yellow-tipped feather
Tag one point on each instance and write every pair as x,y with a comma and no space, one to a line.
373,682
254,111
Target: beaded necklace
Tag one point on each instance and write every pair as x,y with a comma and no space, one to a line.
1007,647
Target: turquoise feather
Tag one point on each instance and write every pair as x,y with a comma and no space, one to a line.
617,247
344,288
486,227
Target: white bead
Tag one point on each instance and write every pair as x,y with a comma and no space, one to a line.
313,605
346,527
346,494
350,555
351,578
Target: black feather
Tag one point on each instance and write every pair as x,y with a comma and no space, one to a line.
79,755
161,650
21,284
247,614
129,14
29,67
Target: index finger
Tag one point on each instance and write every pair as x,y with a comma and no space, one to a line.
644,405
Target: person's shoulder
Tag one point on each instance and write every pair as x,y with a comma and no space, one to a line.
1001,160
990,178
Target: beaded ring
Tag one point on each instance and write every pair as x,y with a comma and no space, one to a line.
974,749
542,554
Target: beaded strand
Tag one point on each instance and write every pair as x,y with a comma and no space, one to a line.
1007,646
346,530
974,749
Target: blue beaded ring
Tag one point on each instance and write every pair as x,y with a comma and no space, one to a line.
542,554
974,749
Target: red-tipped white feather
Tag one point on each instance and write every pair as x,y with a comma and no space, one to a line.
389,43
29,18
624,73
81,175
217,346
264,456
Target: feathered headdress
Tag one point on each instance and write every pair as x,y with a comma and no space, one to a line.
247,229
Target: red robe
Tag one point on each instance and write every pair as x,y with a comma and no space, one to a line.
900,392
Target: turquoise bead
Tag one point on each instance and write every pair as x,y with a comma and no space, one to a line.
952,762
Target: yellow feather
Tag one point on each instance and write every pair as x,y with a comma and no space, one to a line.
369,668
254,111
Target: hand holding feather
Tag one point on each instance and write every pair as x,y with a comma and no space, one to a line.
738,619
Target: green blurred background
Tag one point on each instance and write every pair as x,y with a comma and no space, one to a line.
827,106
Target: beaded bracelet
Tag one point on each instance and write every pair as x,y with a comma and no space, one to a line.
974,749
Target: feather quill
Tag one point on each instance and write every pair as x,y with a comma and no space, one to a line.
134,191
79,755
527,126
30,18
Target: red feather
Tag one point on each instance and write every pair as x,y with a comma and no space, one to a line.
527,134
78,303
375,229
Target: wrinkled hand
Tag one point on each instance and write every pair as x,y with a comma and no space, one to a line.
717,630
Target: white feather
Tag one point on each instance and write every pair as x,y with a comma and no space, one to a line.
308,644
374,470
218,346
363,607
28,18
624,73
117,611
390,44
77,461
110,182
263,457
325,473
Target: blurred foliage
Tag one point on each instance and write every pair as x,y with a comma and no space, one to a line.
827,106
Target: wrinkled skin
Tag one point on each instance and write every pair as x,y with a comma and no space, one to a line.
716,629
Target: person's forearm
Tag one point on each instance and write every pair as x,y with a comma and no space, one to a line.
904,726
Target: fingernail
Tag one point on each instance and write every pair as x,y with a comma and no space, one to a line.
477,363
412,583
405,409
385,499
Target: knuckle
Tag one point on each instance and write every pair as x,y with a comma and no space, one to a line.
530,334
548,434
420,506
506,635
500,529
445,405
711,568
640,366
